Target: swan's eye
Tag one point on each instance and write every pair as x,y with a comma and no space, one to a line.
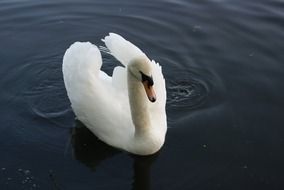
147,78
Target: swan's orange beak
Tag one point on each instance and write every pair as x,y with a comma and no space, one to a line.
149,91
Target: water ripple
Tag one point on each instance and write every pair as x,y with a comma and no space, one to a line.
189,92
47,97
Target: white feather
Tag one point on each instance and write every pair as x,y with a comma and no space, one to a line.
123,50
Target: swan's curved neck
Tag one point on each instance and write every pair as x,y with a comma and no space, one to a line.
138,104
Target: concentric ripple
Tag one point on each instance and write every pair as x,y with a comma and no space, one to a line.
187,92
47,97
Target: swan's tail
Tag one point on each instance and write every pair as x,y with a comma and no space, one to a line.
123,50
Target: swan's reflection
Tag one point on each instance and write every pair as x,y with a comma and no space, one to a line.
91,151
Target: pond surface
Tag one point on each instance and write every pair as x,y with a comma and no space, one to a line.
224,66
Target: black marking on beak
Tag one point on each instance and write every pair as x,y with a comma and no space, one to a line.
147,78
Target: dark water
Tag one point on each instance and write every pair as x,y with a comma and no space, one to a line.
224,66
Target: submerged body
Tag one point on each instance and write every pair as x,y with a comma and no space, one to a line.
126,110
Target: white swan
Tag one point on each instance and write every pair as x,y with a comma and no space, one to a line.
126,110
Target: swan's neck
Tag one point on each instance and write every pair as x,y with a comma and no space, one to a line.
138,105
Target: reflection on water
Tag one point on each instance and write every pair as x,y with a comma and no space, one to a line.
142,171
88,148
91,151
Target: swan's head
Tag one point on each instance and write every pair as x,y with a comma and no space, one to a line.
141,69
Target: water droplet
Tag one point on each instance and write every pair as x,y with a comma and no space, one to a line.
196,28
27,172
251,54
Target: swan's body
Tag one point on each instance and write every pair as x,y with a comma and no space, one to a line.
116,109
